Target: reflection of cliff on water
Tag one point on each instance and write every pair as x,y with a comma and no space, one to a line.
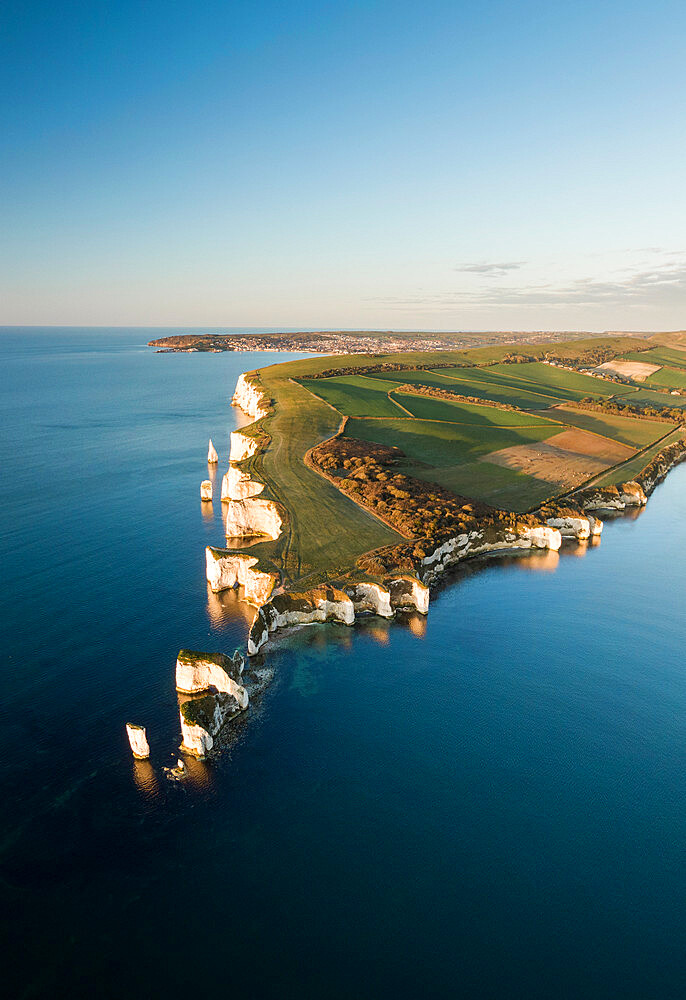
197,773
242,543
146,780
228,606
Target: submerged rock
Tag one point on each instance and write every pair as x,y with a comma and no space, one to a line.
238,485
248,518
212,456
205,490
138,741
226,569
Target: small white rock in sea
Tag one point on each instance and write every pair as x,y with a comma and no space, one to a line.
205,490
212,456
138,741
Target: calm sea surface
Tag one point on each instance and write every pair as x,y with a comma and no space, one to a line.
491,803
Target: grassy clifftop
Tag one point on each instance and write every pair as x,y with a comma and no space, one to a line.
477,423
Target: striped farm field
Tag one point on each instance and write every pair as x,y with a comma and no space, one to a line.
355,395
634,431
456,411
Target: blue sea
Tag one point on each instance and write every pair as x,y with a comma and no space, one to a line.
488,803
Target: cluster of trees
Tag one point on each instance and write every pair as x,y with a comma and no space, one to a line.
671,414
438,393
423,511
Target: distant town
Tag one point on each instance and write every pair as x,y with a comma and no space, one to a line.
354,341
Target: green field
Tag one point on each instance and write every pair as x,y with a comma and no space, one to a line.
355,395
659,356
491,483
634,466
542,378
430,408
643,397
444,444
670,378
443,440
627,430
326,531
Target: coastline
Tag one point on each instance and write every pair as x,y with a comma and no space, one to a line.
346,601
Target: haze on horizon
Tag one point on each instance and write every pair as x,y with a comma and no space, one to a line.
367,165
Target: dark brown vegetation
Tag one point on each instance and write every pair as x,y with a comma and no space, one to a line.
424,512
455,397
667,414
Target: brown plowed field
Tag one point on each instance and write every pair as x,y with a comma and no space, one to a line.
565,459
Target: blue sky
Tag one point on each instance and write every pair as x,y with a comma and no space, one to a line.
496,165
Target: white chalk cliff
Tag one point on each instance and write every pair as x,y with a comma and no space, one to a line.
370,598
219,675
329,604
238,485
197,672
202,718
212,456
474,543
629,494
250,398
226,569
245,518
323,604
206,490
138,741
242,446
408,594
580,528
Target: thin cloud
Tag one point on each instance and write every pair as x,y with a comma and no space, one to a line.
641,288
491,269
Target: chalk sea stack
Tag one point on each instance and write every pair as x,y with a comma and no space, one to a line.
212,456
138,741
205,490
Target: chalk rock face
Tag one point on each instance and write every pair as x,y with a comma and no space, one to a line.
245,518
138,741
539,537
596,526
407,593
212,456
629,494
576,527
473,543
196,672
226,569
202,718
237,485
370,597
242,446
323,604
205,490
632,494
250,398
